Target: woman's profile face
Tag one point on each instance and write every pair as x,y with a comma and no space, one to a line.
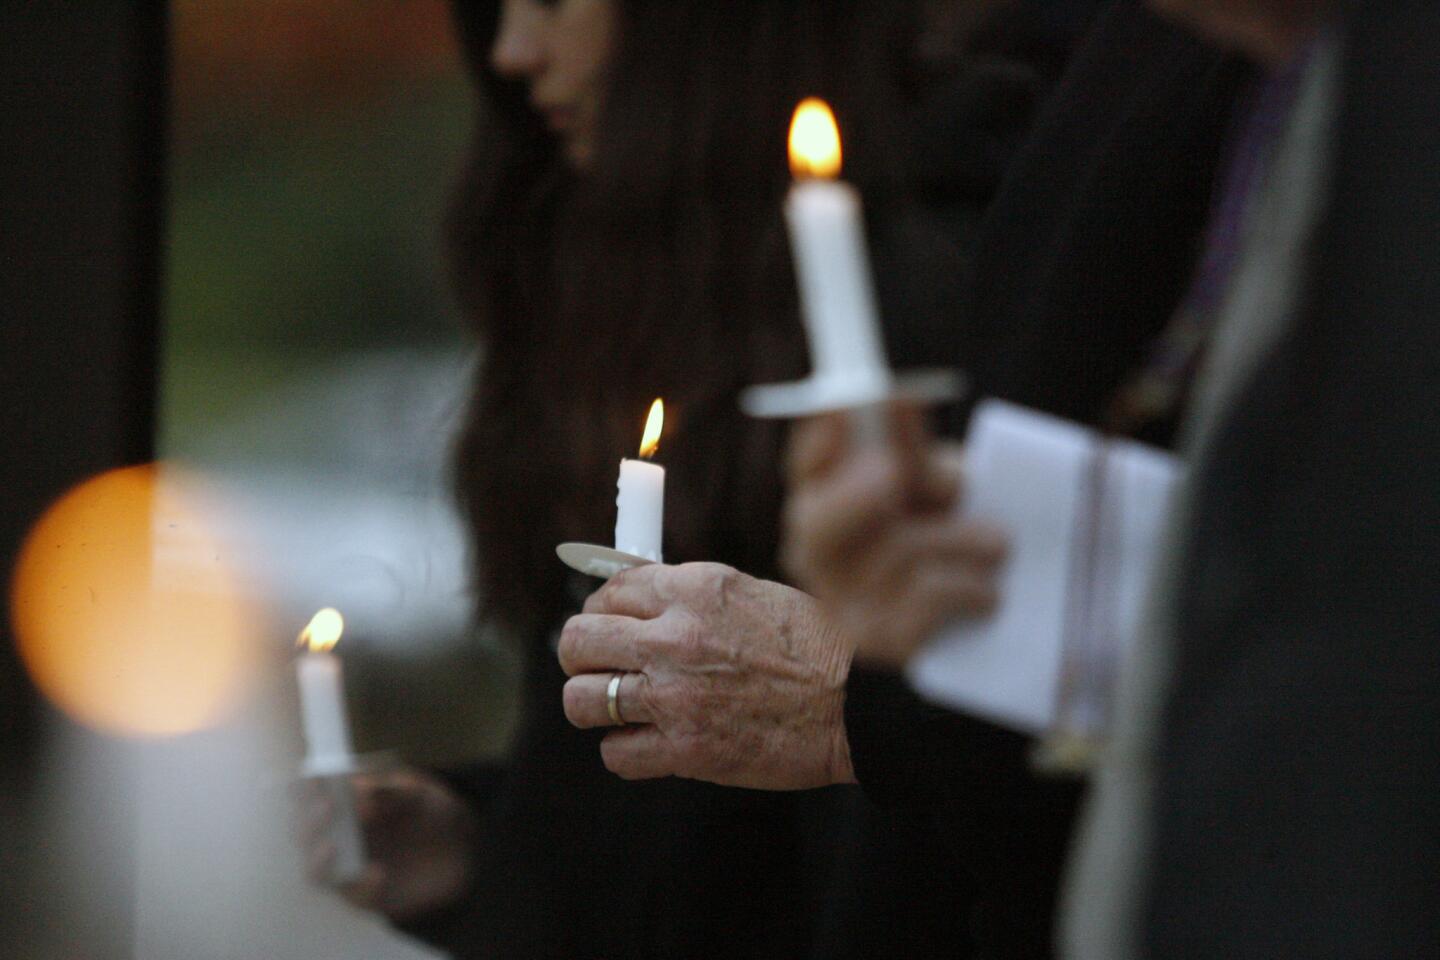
561,49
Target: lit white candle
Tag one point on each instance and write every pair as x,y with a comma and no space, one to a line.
328,755
322,695
640,505
849,371
827,238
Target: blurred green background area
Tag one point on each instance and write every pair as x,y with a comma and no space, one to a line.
312,357
312,150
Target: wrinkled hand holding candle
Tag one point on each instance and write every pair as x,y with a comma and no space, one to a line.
640,513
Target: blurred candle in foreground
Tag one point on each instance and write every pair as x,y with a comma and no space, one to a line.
640,505
322,695
329,760
827,237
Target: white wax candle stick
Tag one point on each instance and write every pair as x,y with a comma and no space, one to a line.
329,759
640,509
836,292
322,708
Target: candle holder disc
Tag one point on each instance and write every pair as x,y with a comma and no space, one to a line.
594,560
834,394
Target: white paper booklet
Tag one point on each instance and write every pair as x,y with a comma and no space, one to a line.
1085,516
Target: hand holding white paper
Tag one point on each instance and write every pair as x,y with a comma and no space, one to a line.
1027,473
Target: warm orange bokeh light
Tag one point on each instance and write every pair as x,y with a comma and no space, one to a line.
814,141
654,423
323,631
125,612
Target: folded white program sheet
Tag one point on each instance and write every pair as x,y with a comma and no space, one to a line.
1085,515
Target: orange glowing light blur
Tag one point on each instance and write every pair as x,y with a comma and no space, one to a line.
323,631
125,612
654,423
814,141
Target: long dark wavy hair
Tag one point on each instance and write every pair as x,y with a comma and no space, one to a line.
663,270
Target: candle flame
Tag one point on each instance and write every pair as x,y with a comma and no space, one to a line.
323,631
814,141
650,442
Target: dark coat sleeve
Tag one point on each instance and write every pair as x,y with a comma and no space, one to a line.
969,784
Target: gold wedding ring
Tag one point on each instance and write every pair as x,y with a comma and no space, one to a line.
612,699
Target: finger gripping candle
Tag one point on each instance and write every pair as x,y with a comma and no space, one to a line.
640,504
